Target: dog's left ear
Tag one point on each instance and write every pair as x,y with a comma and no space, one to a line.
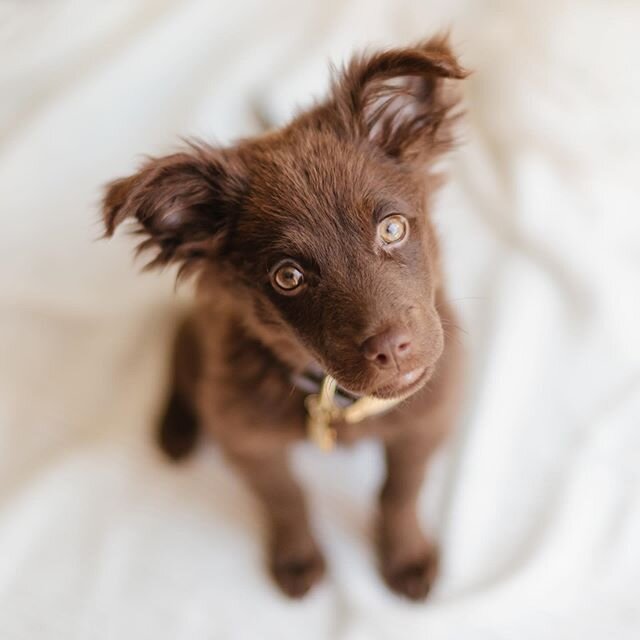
184,204
402,100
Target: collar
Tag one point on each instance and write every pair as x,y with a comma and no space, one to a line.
327,403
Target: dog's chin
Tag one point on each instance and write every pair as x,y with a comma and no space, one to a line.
404,385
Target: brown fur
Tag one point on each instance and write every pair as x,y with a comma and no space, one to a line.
314,192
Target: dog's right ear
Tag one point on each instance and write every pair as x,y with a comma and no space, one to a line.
403,101
183,203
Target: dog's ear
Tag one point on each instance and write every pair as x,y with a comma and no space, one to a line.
183,203
402,100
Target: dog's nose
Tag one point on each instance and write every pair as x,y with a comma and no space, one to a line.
388,348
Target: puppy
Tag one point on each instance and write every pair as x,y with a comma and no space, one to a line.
315,255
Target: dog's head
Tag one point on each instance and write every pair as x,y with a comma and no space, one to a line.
319,231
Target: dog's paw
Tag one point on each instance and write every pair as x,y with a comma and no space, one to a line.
177,442
178,431
412,577
296,574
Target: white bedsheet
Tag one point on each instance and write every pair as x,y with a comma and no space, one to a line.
537,497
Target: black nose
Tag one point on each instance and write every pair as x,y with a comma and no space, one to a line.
388,348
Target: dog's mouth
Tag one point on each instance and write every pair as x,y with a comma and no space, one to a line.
400,386
405,384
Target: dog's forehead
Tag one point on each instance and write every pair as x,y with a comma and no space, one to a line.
309,195
305,177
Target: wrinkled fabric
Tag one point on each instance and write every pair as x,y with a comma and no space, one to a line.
536,497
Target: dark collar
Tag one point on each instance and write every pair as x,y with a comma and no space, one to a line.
310,381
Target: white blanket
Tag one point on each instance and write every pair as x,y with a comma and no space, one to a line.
536,499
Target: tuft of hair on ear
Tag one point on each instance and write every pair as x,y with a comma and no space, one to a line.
402,100
181,204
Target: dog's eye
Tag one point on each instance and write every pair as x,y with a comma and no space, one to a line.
393,229
287,277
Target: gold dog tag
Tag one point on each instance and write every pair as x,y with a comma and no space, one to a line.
322,411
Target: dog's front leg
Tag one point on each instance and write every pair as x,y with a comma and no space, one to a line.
294,558
409,561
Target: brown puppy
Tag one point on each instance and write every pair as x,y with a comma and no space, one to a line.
313,249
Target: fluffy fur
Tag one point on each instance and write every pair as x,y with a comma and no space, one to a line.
314,192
